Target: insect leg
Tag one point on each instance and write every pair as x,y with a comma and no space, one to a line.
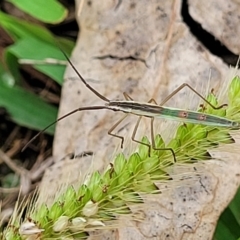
137,141
193,90
135,131
154,146
127,97
114,126
152,136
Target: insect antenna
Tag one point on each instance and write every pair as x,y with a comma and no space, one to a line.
76,110
83,80
59,119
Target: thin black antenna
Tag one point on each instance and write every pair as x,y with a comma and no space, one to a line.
76,110
66,115
83,80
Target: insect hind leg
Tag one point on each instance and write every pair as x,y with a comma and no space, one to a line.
160,149
193,90
152,136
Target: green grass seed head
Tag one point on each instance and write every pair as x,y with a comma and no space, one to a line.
103,197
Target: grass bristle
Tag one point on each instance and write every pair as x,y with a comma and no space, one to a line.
131,184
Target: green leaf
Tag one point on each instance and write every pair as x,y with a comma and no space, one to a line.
50,11
227,227
27,109
66,44
36,43
229,223
18,29
12,64
36,49
235,207
6,77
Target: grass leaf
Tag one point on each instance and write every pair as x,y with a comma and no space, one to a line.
25,108
36,49
50,11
